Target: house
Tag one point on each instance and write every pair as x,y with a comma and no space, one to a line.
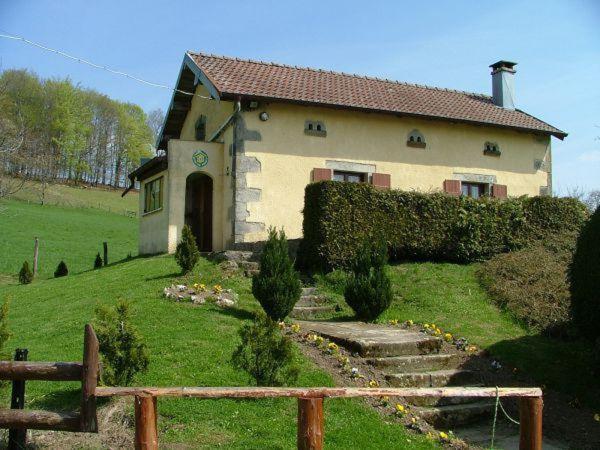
235,157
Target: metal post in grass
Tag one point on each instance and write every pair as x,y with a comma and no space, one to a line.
17,438
105,245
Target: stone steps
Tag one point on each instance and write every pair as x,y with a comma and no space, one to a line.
449,416
436,378
311,305
414,363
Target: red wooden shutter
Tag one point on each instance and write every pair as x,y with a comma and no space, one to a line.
499,190
381,180
321,174
452,187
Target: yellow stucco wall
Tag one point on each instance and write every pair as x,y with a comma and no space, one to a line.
154,225
287,156
180,167
216,113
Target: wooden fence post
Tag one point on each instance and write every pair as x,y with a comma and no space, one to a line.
89,381
105,245
530,411
36,249
17,438
146,431
310,423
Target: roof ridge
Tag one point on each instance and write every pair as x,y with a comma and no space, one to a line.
333,72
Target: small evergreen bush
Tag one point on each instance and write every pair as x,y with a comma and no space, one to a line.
187,254
265,353
123,351
61,270
98,261
25,274
277,286
368,289
584,275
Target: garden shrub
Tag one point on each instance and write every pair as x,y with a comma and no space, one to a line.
61,270
265,353
277,286
368,289
417,226
98,261
186,253
532,283
123,351
584,275
25,274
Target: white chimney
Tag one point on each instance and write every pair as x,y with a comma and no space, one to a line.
503,91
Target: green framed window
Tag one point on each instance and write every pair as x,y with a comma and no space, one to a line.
153,198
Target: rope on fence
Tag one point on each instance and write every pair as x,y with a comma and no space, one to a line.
499,404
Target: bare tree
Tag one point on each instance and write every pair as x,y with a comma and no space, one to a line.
155,120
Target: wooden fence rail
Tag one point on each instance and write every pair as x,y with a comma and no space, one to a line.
310,406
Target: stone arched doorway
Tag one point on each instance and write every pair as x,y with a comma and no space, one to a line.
199,208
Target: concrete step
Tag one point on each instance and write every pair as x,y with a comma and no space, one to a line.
311,300
309,312
450,416
369,340
416,363
437,378
310,290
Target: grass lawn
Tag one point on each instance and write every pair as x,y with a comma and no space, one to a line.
189,346
106,199
74,235
450,296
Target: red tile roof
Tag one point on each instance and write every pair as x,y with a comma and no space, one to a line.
233,76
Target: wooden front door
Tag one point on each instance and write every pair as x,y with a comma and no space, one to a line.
198,209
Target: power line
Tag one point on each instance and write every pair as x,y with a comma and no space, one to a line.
98,66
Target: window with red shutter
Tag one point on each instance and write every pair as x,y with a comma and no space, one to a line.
381,180
499,191
321,174
452,187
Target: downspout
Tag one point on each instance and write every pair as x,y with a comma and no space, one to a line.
236,111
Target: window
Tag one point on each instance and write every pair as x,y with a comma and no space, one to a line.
349,177
153,195
491,148
416,139
474,190
201,128
315,128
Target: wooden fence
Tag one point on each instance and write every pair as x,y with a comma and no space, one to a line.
86,372
310,400
310,406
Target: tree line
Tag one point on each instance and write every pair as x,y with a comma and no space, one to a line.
53,129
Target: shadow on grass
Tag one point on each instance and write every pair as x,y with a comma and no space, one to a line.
62,400
240,314
164,277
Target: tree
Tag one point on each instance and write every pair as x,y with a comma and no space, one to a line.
98,261
584,274
155,120
186,253
368,289
25,274
61,270
277,286
265,353
123,351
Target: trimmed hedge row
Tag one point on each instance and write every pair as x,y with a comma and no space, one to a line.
416,226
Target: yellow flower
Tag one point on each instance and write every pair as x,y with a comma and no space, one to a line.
281,325
447,337
217,289
400,409
319,340
384,399
443,436
425,325
393,322
295,328
597,417
437,332
373,383
413,420
433,326
471,348
410,323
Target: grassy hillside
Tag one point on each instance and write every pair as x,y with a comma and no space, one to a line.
72,234
188,346
103,198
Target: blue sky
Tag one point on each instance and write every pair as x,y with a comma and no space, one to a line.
441,43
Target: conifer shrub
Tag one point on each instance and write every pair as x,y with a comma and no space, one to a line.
584,275
61,270
277,286
25,274
368,288
265,353
98,261
187,254
124,354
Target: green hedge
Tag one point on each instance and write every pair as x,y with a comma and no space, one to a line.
339,216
